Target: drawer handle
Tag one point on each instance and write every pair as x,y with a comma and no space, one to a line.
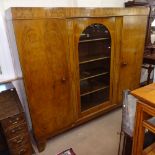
12,121
124,63
63,79
15,130
22,151
18,141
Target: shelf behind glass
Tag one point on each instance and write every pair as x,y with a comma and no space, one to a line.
93,85
93,58
94,39
88,75
95,99
94,51
94,65
94,69
96,89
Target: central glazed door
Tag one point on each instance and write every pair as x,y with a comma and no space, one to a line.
43,51
95,50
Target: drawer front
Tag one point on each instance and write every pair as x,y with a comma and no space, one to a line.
18,130
12,121
18,141
23,150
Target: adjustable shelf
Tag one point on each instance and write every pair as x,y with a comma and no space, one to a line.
91,100
88,75
93,58
92,85
93,91
91,40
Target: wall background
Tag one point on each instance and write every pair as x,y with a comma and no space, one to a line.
64,3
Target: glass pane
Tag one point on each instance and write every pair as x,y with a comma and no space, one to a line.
95,68
94,62
91,100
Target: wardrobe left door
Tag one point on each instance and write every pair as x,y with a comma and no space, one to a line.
43,51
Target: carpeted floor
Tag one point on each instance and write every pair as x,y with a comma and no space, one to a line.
97,137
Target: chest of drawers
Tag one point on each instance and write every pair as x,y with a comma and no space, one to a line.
13,121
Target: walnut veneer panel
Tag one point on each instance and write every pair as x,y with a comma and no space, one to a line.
42,46
36,12
47,43
132,48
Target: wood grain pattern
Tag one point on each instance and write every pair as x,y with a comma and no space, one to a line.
47,42
146,94
81,24
46,74
150,150
138,138
116,61
132,48
36,12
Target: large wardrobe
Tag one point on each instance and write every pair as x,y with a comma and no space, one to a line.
76,62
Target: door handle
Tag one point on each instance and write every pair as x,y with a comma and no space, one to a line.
63,79
124,63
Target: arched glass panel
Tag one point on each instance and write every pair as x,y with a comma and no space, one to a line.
94,63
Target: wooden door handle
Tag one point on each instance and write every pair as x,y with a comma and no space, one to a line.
124,63
63,79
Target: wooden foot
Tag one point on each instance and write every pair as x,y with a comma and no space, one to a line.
40,142
41,145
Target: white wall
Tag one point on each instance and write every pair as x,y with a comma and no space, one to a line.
5,55
38,3
63,3
100,3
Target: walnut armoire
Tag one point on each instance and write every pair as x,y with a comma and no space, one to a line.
76,62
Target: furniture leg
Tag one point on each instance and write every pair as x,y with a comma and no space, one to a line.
41,145
40,142
139,132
